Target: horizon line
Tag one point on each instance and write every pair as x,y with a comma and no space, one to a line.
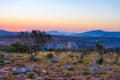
61,31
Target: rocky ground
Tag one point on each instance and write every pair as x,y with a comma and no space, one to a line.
58,66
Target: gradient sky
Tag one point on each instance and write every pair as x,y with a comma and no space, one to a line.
62,15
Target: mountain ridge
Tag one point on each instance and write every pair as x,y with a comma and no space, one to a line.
92,33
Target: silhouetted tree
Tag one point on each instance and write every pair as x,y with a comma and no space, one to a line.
117,51
34,40
100,49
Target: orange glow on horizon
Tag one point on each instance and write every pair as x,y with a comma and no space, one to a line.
73,25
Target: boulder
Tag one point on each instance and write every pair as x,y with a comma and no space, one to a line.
56,60
94,68
14,70
23,69
7,61
30,68
68,67
44,71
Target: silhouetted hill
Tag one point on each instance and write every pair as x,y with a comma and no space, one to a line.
98,33
60,33
94,33
3,32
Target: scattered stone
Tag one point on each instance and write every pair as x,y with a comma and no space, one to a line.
14,70
69,67
30,68
44,71
94,68
56,60
23,69
38,78
7,61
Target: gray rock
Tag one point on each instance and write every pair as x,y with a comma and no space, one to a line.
14,69
7,61
5,56
68,67
22,70
94,68
30,68
56,59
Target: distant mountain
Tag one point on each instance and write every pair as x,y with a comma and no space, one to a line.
3,32
98,33
94,33
60,33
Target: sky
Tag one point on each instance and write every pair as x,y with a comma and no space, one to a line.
61,15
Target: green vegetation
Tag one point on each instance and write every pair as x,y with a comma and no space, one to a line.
100,49
35,41
1,59
19,47
100,60
49,56
86,73
31,75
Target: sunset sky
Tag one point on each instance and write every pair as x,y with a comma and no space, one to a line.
61,15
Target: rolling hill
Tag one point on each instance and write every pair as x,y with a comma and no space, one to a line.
94,33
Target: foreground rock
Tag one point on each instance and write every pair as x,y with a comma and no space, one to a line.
69,67
23,69
56,60
94,68
7,61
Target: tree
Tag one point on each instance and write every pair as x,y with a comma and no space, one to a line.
117,51
34,40
100,49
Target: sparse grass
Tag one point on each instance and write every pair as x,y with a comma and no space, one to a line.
56,70
30,75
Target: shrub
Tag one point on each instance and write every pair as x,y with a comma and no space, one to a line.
30,75
19,47
15,47
100,60
6,48
1,62
86,73
49,56
100,49
1,59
